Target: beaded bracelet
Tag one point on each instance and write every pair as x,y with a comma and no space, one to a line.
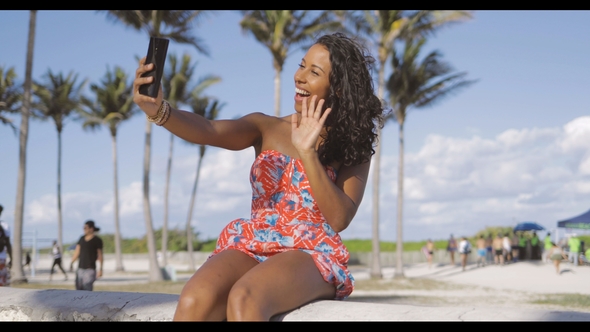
166,115
159,115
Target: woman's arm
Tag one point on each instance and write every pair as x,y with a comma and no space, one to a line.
100,261
75,256
338,201
230,134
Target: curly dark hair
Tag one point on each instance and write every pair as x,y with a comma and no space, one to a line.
356,110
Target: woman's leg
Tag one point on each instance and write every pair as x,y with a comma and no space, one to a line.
51,271
283,282
204,297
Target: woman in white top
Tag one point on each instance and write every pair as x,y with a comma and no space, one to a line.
507,246
464,250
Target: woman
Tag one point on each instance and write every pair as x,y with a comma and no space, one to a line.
429,252
56,253
464,250
308,179
452,248
556,255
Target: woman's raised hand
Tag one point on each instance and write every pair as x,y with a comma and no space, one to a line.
147,104
305,133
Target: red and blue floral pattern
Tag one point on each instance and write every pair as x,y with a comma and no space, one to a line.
286,217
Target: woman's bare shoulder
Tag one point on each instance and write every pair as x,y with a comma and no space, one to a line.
263,121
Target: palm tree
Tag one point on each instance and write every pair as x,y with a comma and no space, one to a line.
175,85
279,30
210,110
10,96
384,28
18,274
57,98
175,25
416,84
113,104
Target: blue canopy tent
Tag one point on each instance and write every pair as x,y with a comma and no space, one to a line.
580,222
528,226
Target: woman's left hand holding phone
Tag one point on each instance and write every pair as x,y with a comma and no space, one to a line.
147,104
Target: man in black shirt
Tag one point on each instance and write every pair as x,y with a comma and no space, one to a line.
89,250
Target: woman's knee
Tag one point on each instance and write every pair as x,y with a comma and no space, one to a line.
199,301
245,303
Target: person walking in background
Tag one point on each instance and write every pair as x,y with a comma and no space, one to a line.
535,248
498,250
489,253
452,248
587,256
27,260
481,251
507,248
556,255
521,246
546,247
56,253
464,250
574,251
429,252
5,251
88,250
514,246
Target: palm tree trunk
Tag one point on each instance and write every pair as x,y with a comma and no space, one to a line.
59,211
399,273
18,273
375,257
118,251
376,252
155,272
277,89
189,230
166,194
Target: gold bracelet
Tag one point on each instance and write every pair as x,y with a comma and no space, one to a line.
158,117
166,115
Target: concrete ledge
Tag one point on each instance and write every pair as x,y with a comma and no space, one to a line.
69,305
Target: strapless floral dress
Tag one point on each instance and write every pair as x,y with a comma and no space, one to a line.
286,217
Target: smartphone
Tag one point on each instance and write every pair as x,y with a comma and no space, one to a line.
157,55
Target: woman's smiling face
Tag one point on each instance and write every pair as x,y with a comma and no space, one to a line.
313,76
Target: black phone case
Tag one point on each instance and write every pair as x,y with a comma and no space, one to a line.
157,55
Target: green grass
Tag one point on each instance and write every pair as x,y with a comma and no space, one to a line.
358,245
565,300
209,246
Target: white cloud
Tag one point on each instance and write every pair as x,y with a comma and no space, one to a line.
576,134
465,184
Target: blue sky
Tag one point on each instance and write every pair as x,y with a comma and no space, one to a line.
510,148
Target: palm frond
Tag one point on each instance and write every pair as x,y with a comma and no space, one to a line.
418,84
173,24
112,104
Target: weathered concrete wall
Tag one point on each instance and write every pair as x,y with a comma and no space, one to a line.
70,305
